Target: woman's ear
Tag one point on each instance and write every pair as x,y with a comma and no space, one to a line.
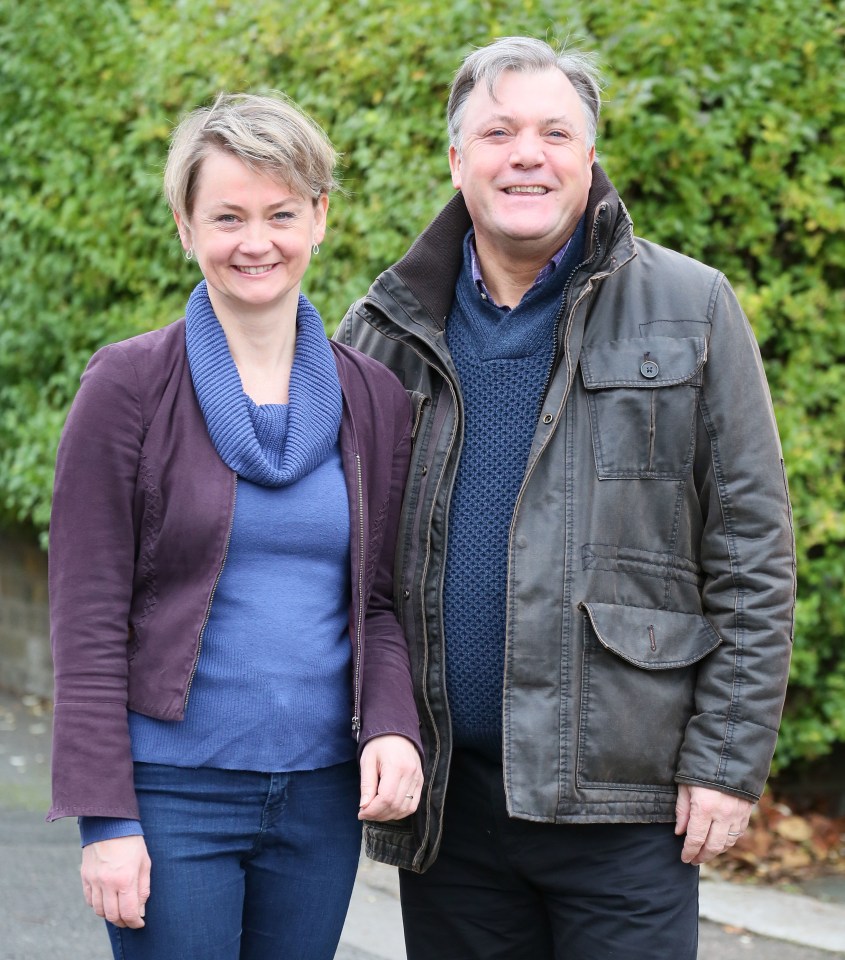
184,231
321,209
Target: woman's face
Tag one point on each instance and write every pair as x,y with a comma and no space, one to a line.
252,236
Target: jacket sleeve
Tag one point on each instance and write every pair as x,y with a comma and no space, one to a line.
91,569
748,561
387,704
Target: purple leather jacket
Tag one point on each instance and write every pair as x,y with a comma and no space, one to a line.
142,513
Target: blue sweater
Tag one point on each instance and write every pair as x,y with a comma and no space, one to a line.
503,357
273,687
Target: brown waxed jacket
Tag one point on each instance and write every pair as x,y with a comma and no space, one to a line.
651,571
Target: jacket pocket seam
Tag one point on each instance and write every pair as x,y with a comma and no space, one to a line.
662,566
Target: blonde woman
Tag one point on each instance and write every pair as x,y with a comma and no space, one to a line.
222,538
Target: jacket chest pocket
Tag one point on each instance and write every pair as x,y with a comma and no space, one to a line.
642,396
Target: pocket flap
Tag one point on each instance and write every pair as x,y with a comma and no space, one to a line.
652,639
643,362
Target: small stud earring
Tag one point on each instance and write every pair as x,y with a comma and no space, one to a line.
315,249
189,253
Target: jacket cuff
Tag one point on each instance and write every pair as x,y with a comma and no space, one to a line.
371,734
93,773
733,757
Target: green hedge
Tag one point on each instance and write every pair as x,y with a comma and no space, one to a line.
724,130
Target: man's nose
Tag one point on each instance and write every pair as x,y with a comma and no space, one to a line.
527,150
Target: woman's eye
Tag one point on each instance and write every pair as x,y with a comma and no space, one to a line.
227,218
280,216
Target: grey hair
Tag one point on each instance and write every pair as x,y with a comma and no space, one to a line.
524,55
268,133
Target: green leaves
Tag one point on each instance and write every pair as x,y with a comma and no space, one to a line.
724,130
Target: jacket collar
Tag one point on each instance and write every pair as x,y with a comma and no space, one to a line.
429,270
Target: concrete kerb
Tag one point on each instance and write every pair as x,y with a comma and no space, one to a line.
773,913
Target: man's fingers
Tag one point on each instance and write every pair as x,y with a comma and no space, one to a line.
682,808
715,821
693,845
700,848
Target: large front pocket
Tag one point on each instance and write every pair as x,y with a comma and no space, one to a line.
643,396
638,690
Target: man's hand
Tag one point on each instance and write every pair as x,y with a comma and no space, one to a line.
116,879
713,821
391,778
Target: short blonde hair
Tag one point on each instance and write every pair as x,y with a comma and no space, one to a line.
268,133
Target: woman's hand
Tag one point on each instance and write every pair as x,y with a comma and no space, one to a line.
116,879
391,778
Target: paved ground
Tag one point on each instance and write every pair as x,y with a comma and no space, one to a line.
43,916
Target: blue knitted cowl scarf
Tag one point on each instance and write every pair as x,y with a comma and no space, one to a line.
271,445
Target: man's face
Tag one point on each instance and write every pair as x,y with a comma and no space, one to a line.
524,167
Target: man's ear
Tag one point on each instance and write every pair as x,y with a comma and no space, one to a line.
455,167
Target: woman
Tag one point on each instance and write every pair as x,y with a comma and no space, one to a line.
221,549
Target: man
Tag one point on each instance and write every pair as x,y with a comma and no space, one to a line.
595,565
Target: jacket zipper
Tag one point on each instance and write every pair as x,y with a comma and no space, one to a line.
555,335
211,597
356,681
457,400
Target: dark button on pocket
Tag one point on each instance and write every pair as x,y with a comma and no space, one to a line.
649,369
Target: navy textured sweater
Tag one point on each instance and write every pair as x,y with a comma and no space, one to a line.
503,357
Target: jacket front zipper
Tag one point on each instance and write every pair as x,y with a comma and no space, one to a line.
356,680
555,335
213,591
442,371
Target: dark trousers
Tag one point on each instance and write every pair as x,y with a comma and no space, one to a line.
504,889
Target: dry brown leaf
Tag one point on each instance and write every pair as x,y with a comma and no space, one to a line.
795,859
796,829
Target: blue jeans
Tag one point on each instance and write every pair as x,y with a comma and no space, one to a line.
245,866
